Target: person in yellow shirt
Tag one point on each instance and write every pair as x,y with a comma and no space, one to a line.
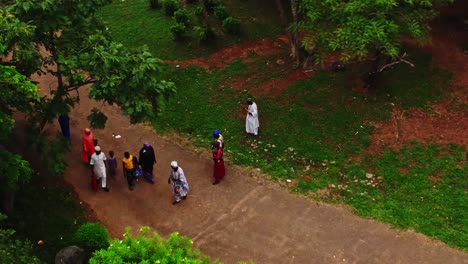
129,166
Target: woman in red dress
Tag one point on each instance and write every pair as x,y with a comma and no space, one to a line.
218,169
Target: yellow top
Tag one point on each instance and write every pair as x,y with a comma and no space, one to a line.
128,163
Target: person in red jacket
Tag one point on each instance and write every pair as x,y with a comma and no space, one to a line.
88,145
218,169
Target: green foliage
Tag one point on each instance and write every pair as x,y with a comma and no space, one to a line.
210,5
92,236
360,28
46,213
199,12
149,247
179,31
121,72
17,93
232,25
97,119
14,250
14,171
170,6
51,151
204,34
154,4
182,16
83,54
123,17
220,12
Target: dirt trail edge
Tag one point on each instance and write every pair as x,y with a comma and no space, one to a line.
243,218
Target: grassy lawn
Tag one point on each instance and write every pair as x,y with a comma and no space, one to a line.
316,132
133,23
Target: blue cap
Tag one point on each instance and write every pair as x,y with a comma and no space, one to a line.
215,132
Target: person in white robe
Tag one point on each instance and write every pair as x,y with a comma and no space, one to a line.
178,183
251,120
98,162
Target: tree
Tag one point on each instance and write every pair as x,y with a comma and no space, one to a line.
71,43
362,29
14,250
17,93
149,247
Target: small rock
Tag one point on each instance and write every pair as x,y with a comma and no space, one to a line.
369,175
288,181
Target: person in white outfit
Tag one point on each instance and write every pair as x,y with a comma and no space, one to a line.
98,162
251,120
179,185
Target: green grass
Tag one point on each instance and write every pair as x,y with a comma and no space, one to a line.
49,214
317,129
134,24
419,187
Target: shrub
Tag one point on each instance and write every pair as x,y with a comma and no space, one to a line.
205,33
199,12
181,16
192,1
210,5
170,6
92,236
149,247
231,25
179,31
220,12
154,4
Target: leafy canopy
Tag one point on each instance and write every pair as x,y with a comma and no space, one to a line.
14,250
149,247
74,46
359,28
16,93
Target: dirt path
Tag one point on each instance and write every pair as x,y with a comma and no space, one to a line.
243,218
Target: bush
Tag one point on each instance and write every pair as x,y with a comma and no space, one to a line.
231,25
154,4
220,12
179,31
199,12
92,236
205,34
182,16
210,5
192,1
149,247
170,6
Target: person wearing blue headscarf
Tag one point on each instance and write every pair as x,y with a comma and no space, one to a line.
64,121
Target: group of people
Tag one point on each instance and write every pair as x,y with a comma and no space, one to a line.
134,167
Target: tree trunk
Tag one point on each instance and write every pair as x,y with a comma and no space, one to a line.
294,38
373,75
59,93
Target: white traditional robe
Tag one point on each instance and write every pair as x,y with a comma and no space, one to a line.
99,167
179,181
251,121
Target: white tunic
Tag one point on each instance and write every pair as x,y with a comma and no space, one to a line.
251,121
99,167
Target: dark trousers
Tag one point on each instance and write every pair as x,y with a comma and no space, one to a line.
130,177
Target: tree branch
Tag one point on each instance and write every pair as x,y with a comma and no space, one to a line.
400,59
78,85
